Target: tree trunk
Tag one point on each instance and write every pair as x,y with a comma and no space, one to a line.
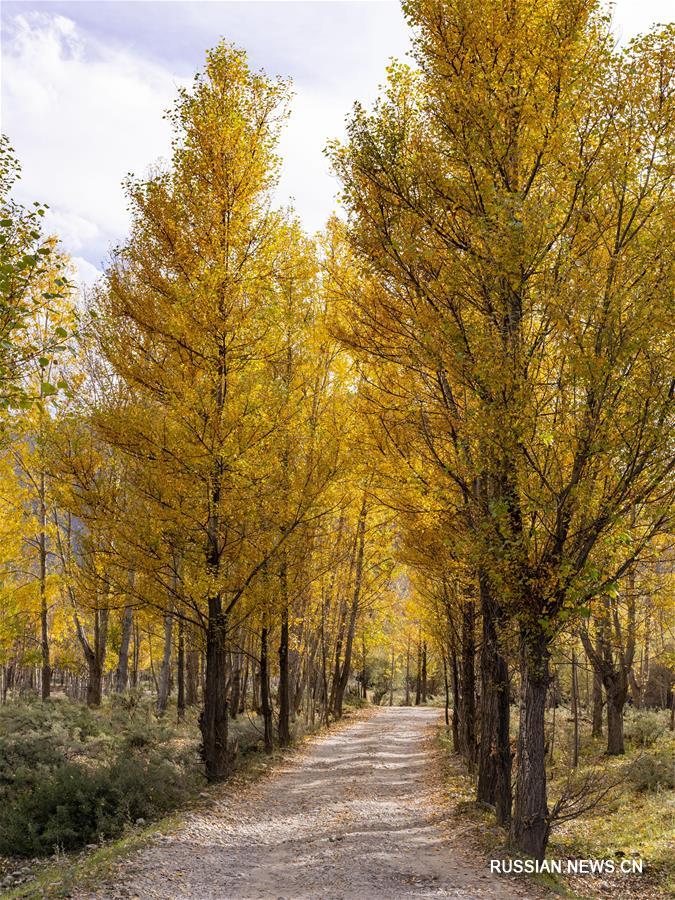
407,673
136,657
94,681
616,698
284,699
364,669
646,658
575,712
418,680
454,671
180,665
467,719
597,705
494,761
612,660
424,672
244,686
235,696
94,654
213,720
165,668
192,677
391,679
265,704
530,825
122,670
44,610
447,691
343,679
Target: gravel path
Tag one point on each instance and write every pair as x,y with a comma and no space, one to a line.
353,817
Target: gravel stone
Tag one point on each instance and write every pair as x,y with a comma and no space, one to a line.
355,816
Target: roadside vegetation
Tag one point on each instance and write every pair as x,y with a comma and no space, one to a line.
634,820
75,779
427,453
81,788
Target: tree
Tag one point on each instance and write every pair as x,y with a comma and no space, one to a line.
508,204
32,278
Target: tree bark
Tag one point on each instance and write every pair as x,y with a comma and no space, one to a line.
364,669
94,681
192,676
616,699
446,687
424,672
575,712
418,679
494,760
94,653
180,674
165,667
44,609
596,728
244,687
391,679
265,704
213,719
407,672
122,670
284,699
612,660
235,695
454,672
530,824
467,719
136,656
343,679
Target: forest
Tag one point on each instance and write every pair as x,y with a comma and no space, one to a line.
254,479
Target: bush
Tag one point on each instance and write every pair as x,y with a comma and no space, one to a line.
355,702
70,776
68,808
645,726
74,805
653,771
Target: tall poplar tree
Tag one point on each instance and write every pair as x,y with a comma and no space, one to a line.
510,204
183,323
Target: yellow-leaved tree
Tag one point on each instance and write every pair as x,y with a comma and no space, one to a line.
510,202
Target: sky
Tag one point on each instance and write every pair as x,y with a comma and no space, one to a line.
84,86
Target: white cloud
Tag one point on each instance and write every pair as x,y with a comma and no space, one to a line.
75,231
83,109
80,116
86,274
630,17
305,175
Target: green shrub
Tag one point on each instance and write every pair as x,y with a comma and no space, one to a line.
74,805
645,726
70,775
653,772
68,808
353,701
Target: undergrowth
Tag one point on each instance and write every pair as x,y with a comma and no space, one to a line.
72,776
635,820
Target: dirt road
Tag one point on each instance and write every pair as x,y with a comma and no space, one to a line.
355,816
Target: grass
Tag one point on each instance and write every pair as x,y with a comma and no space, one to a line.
633,821
636,819
58,875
